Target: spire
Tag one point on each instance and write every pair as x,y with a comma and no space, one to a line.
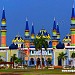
3,20
18,35
26,19
73,13
54,29
54,25
73,16
3,14
27,27
32,32
57,28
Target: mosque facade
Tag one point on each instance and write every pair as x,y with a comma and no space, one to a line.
26,48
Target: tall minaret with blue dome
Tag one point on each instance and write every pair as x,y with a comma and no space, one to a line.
27,35
3,29
72,29
54,39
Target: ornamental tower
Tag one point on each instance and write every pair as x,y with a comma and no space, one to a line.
54,40
3,30
58,33
32,33
32,36
27,35
72,29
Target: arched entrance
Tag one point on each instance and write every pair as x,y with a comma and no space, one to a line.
43,62
38,61
59,62
49,60
32,61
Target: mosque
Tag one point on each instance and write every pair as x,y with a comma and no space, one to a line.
26,48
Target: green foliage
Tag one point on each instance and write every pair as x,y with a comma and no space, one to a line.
41,42
73,55
16,59
1,60
62,56
49,60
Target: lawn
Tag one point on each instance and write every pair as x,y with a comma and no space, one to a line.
35,72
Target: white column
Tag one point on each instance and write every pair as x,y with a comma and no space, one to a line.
54,58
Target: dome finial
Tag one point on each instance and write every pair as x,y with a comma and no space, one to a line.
57,23
3,7
32,24
26,19
54,18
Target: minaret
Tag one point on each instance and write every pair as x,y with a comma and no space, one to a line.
58,33
27,35
54,29
32,36
32,33
54,40
72,29
3,29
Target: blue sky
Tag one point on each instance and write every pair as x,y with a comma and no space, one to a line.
40,12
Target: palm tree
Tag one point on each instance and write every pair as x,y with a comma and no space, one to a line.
13,57
39,43
62,56
73,55
18,60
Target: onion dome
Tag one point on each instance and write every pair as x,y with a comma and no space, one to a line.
44,33
60,45
18,39
67,38
13,46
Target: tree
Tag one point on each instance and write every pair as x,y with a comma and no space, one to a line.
73,55
18,60
49,60
62,56
39,43
13,58
1,60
